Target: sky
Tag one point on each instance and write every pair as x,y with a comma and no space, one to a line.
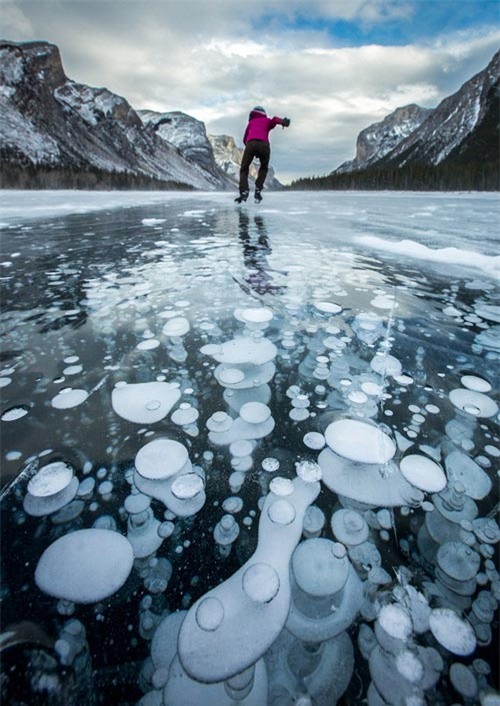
332,66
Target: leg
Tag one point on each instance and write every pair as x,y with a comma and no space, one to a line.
248,155
264,154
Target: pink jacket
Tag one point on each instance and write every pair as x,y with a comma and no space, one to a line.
259,127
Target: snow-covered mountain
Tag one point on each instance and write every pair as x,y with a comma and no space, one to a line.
228,157
377,140
56,130
463,128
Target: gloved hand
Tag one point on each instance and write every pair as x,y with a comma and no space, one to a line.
286,122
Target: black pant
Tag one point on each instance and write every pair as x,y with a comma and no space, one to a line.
261,150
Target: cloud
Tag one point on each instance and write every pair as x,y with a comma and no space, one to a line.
216,59
15,24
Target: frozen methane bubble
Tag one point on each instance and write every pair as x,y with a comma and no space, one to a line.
51,479
320,566
409,666
458,561
386,364
281,486
396,621
255,412
463,680
52,488
463,469
256,315
423,473
14,413
472,382
178,326
85,566
187,486
160,459
474,403
246,350
359,441
314,521
281,512
309,471
209,614
185,415
250,626
349,527
314,440
328,307
452,632
261,582
144,402
67,398
270,465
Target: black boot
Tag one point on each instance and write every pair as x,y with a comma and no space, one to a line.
242,197
258,196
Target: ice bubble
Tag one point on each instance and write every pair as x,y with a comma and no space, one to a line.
186,414
175,327
490,312
144,402
255,412
255,315
232,504
137,503
270,465
281,512
309,471
4,381
210,614
474,403
463,680
458,561
241,448
261,582
396,621
226,531
349,527
314,521
452,632
152,221
14,413
486,530
371,388
471,382
314,440
230,376
409,666
320,567
246,350
383,301
166,529
67,398
327,307
51,479
281,486
359,441
85,566
73,370
160,459
423,473
187,486
386,364
219,422
403,379
461,468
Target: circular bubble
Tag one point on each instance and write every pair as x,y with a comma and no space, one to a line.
472,382
359,441
210,614
309,471
423,473
474,403
281,486
281,512
270,465
161,459
314,440
187,486
50,479
452,632
261,582
255,412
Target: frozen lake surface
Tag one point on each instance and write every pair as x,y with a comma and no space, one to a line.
250,454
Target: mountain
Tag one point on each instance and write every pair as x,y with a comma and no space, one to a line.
228,157
453,146
377,140
56,132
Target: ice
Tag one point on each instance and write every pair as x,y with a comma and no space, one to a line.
68,398
85,566
51,479
146,402
245,345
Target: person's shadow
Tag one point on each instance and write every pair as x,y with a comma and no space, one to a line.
256,249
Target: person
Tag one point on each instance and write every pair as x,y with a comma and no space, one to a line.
256,141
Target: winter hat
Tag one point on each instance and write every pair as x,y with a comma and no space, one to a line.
259,109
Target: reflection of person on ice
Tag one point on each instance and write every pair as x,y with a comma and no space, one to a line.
256,141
